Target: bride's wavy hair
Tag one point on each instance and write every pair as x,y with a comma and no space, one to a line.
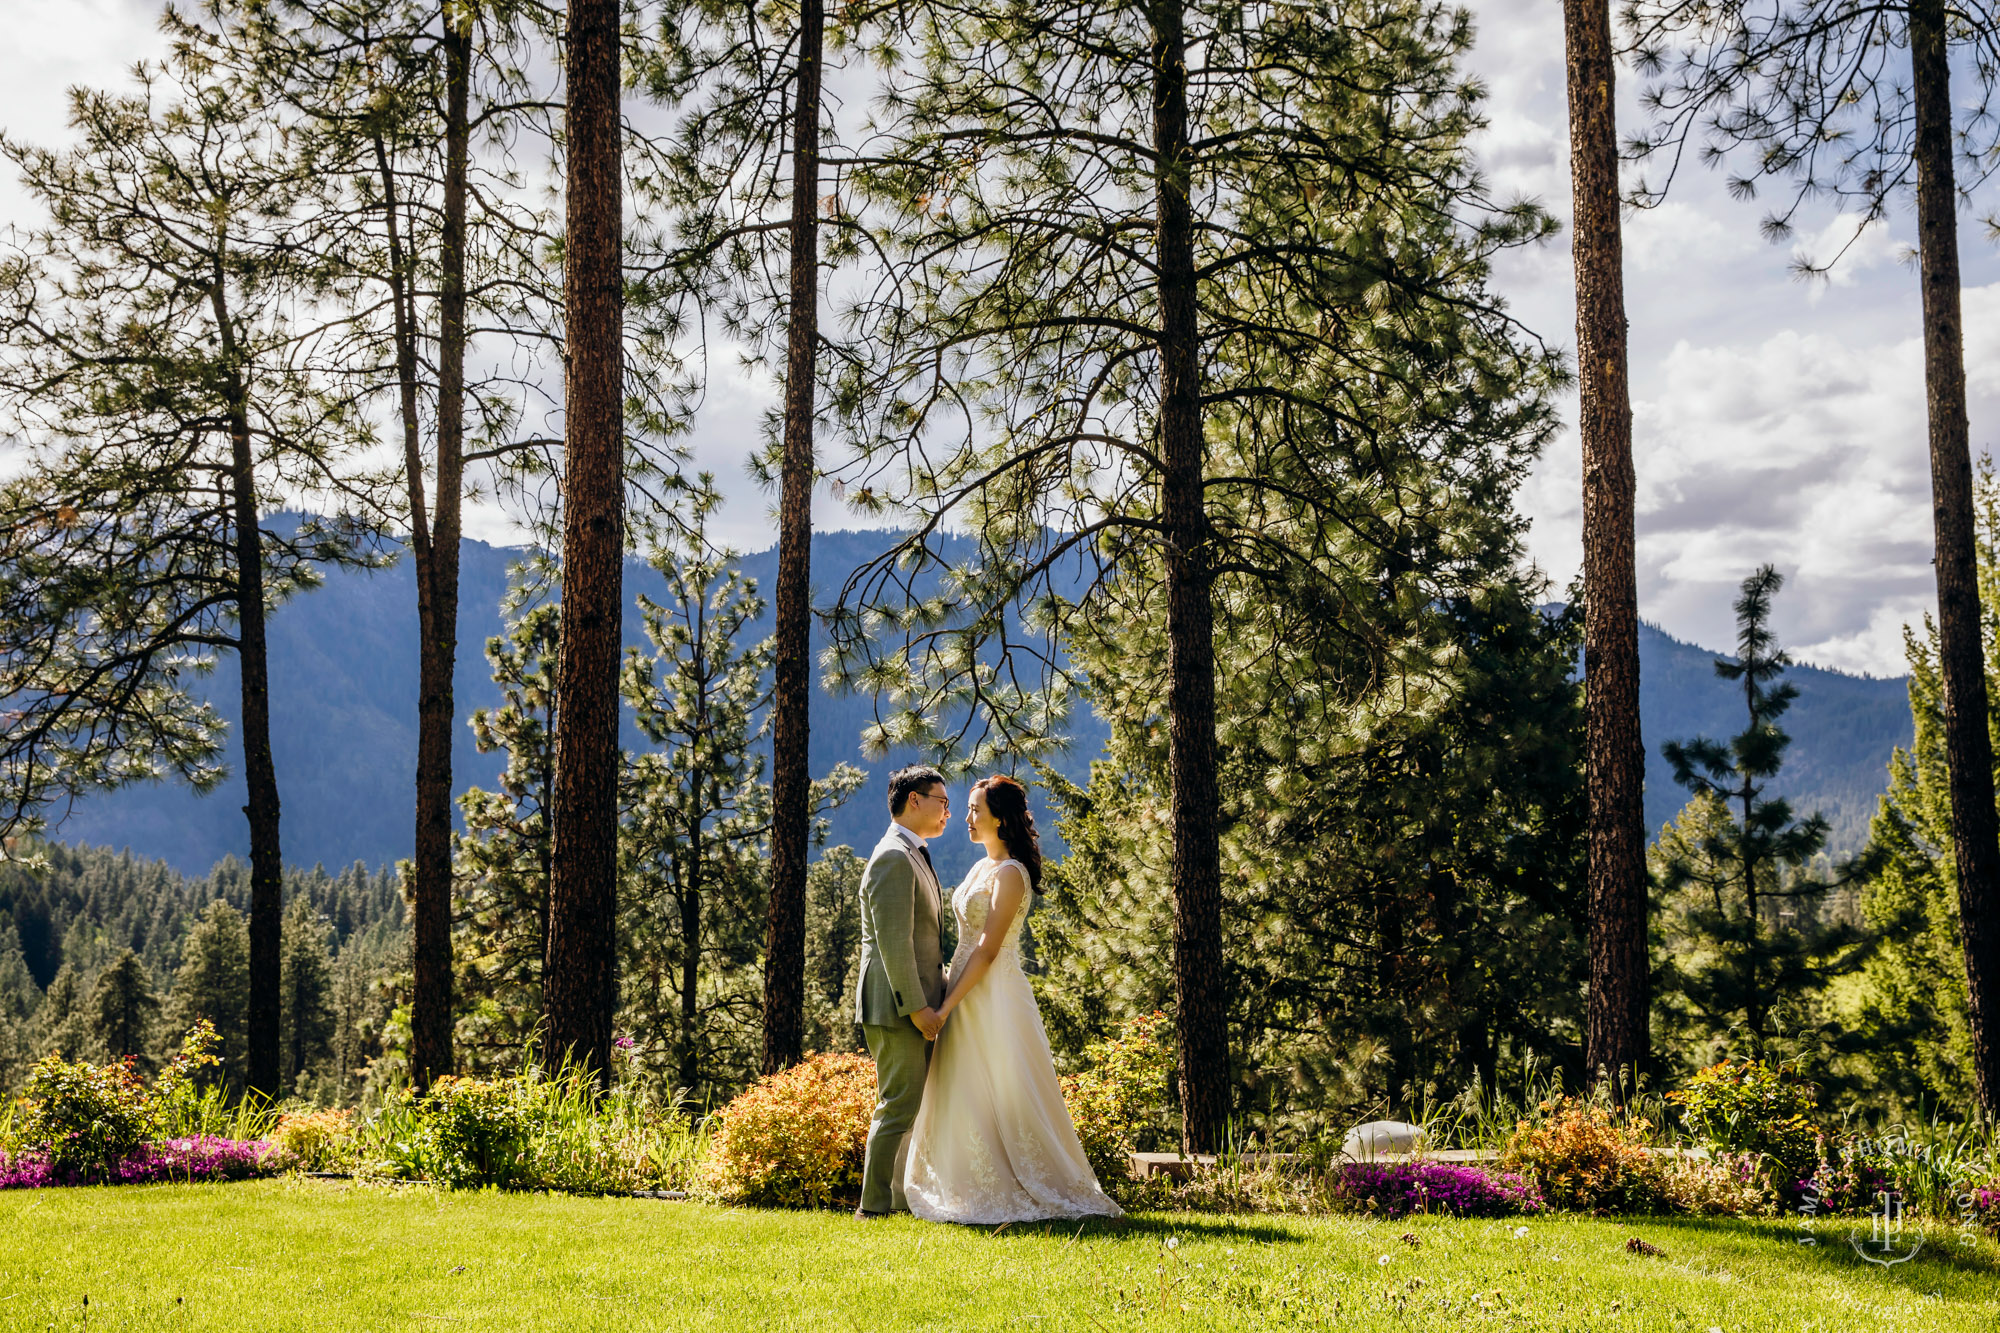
1007,801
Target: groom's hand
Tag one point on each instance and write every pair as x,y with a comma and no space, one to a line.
929,1022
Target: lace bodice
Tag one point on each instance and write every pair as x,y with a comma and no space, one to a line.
970,902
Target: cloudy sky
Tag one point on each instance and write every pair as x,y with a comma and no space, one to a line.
1774,420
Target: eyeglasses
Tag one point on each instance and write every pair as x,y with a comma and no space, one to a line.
938,796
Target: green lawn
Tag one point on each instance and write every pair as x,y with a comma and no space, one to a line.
298,1254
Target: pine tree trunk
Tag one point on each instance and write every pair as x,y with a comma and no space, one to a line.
1196,872
791,698
1615,757
437,575
581,988
260,774
690,905
1961,654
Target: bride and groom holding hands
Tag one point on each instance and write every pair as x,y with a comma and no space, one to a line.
970,1124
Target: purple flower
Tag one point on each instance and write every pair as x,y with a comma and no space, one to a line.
1401,1188
201,1158
624,1043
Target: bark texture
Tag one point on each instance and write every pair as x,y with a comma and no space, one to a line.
1615,757
581,987
1961,652
1201,1011
436,555
690,905
260,773
791,780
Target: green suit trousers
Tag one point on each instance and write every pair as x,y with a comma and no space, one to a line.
902,1058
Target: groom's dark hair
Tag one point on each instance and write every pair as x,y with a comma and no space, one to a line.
904,782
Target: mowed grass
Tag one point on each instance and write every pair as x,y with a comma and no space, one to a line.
300,1254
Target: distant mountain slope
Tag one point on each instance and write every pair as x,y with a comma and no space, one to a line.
1843,729
343,706
343,683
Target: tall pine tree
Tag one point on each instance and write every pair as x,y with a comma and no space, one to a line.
1615,756
164,369
1745,951
580,984
1122,241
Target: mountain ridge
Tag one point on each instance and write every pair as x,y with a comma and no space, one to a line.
343,681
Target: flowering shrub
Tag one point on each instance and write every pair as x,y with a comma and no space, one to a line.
1984,1202
316,1140
1583,1160
192,1159
83,1117
1725,1185
1119,1102
1745,1106
1848,1176
1397,1189
796,1138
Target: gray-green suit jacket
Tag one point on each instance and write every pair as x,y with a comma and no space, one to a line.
902,951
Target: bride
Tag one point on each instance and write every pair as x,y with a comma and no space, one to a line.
993,1140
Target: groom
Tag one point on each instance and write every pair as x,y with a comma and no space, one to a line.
902,975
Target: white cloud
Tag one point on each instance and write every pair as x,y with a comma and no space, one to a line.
1677,236
1864,651
1847,247
1801,450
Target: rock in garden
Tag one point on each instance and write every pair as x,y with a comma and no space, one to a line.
1378,1137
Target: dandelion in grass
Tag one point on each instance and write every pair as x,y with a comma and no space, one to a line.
1519,1232
1382,1260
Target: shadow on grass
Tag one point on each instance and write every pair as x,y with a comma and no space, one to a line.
1830,1242
1154,1227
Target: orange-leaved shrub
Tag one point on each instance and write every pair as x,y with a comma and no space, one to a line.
794,1139
1585,1160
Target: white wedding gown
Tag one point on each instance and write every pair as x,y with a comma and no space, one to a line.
993,1140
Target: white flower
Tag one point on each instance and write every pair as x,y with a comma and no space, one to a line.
1173,1242
1522,1231
1383,1259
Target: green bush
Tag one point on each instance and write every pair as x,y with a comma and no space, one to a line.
616,1141
1120,1102
315,1140
532,1130
1725,1185
85,1117
189,1101
1745,1106
474,1132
